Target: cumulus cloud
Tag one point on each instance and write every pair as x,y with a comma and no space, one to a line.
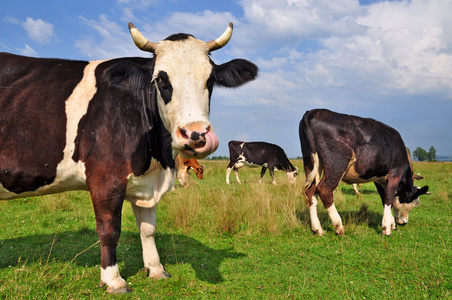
39,30
403,45
115,40
28,51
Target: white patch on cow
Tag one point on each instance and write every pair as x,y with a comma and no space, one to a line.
315,222
388,222
70,175
111,277
147,190
336,220
228,172
242,161
188,67
402,210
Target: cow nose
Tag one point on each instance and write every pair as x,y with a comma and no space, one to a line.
196,141
193,139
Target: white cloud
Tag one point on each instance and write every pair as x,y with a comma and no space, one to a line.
39,30
28,51
290,21
11,20
115,40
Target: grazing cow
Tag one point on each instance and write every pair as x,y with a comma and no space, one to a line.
183,167
259,154
354,150
108,127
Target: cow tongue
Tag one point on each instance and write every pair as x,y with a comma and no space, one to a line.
209,147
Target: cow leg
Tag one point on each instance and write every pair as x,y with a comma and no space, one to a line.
272,174
108,223
262,173
146,219
228,171
236,173
355,189
387,195
326,189
316,227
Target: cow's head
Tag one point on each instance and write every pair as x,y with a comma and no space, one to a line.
199,171
184,76
292,175
404,203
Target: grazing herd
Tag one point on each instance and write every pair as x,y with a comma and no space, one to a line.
113,128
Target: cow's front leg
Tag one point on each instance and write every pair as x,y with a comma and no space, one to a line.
108,224
388,222
146,219
272,174
262,173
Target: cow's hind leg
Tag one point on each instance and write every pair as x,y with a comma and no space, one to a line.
326,189
312,171
146,219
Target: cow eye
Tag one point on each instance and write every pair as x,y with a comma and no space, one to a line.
164,86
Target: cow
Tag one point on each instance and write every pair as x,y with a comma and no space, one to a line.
259,154
183,167
112,127
355,150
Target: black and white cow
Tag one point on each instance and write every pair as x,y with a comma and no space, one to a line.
110,127
259,154
355,150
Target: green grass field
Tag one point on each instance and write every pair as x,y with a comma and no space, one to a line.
249,241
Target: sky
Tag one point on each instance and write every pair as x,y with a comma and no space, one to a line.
386,60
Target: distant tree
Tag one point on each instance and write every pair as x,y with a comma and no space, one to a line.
420,154
431,155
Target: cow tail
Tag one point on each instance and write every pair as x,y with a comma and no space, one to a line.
308,147
313,176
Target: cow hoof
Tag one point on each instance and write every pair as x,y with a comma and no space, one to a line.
340,230
116,291
163,275
386,231
318,232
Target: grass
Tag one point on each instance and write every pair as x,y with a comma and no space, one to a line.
249,241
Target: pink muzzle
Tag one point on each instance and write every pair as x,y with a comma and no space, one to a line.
197,144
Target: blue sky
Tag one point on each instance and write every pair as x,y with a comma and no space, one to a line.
391,61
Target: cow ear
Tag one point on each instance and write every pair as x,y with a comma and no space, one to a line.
235,73
421,191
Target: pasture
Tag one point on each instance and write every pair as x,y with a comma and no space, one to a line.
250,241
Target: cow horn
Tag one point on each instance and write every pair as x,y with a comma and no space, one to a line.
222,40
139,40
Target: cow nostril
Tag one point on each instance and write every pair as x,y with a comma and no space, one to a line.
183,133
195,135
